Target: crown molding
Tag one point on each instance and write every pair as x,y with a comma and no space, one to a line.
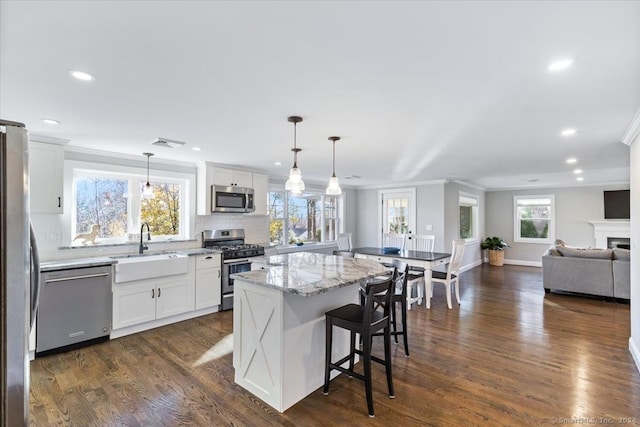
633,133
34,137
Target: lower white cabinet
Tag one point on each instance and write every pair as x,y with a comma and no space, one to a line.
147,300
208,281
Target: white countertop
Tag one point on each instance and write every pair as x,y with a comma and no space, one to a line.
64,264
309,273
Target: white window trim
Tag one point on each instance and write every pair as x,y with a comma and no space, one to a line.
187,220
323,197
516,219
469,199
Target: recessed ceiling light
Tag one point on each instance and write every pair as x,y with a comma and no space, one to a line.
568,132
560,65
577,171
580,178
572,160
82,75
51,121
278,163
195,148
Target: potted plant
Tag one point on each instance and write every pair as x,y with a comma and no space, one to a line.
495,246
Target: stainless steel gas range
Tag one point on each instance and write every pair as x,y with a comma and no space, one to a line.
235,257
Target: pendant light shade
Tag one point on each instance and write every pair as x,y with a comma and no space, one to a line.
295,184
333,189
147,191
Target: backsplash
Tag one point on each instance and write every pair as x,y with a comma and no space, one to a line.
256,228
49,230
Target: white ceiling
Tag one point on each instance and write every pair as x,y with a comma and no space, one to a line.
417,90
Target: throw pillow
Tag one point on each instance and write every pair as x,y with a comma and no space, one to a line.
622,254
586,253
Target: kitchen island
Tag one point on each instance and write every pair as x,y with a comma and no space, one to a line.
278,322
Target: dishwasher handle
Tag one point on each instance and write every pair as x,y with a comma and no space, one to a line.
84,276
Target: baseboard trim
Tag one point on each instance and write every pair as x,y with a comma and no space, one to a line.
470,266
635,352
523,263
518,262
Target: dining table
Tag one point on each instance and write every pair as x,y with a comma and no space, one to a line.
426,260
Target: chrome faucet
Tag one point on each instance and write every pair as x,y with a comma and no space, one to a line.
142,245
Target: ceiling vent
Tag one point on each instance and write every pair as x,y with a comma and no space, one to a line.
167,143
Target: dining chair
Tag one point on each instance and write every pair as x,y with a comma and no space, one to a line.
424,242
399,278
344,242
450,277
416,280
394,240
365,320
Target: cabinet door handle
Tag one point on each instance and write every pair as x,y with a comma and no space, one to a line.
159,292
153,293
218,274
59,201
209,257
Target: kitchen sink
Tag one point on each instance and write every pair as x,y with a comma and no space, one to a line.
143,266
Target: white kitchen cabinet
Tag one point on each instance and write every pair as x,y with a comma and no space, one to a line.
208,281
232,177
260,193
46,177
147,300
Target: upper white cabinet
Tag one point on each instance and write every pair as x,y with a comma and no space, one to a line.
209,175
260,193
46,177
231,177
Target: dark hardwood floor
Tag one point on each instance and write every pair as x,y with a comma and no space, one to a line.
509,355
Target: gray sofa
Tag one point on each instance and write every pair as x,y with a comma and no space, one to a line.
603,272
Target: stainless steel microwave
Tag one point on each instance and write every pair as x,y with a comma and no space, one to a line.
231,199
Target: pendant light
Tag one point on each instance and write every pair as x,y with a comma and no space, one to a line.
147,191
333,189
295,183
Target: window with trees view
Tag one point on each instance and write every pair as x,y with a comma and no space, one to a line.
534,219
114,202
310,217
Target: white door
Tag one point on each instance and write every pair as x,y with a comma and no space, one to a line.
398,213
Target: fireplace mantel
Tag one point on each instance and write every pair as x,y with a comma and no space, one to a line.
605,229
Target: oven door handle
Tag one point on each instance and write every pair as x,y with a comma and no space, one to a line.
236,261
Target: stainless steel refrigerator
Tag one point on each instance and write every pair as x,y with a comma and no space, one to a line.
19,284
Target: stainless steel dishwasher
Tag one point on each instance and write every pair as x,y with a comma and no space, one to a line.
75,308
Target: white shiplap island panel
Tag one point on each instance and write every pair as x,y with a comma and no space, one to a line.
279,323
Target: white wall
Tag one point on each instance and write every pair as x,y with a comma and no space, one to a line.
575,207
436,205
634,341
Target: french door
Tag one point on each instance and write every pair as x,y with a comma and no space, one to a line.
398,213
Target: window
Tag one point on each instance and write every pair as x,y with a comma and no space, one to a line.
113,201
534,219
310,217
468,215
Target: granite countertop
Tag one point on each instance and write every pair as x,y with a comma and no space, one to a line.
64,264
309,273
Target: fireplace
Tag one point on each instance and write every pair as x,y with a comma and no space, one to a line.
618,242
617,231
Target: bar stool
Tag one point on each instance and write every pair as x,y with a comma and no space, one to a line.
364,320
400,288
